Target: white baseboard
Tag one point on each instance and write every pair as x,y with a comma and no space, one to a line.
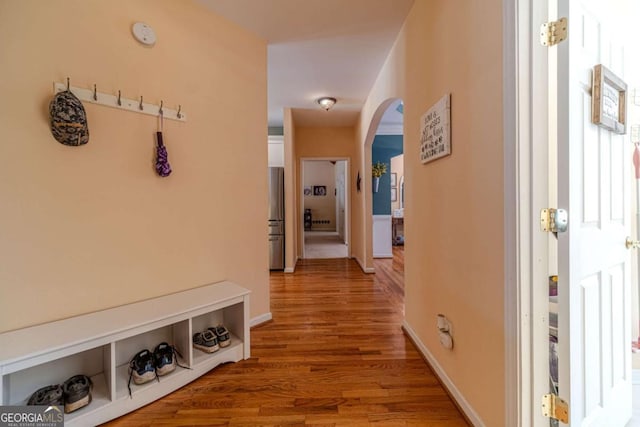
451,387
367,270
259,320
390,255
292,269
635,377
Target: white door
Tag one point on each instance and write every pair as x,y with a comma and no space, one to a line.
594,324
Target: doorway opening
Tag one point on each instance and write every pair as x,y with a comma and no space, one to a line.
387,158
325,208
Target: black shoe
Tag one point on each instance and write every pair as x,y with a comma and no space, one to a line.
50,395
141,368
77,393
164,357
206,341
224,337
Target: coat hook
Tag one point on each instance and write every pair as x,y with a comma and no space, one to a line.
119,99
179,115
95,93
141,107
161,105
68,84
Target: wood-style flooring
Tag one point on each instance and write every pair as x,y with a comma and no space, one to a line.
334,355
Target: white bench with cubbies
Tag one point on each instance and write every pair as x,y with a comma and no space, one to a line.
101,345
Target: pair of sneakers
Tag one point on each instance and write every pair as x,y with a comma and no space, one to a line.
212,339
73,394
146,366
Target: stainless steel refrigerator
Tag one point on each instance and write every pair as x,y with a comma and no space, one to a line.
276,218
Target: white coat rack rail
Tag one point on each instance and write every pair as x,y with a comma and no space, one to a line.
117,101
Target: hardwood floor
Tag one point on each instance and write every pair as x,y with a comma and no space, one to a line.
334,355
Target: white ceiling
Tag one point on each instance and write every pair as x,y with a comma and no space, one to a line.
319,48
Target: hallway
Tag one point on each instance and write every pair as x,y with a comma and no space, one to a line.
334,354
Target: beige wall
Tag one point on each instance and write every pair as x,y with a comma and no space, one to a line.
462,193
389,86
358,244
454,206
91,227
321,172
324,142
290,193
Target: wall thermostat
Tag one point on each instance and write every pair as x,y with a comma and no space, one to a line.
144,33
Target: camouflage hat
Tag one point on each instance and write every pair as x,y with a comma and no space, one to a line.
68,119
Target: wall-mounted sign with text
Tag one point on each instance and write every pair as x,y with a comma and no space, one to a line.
435,131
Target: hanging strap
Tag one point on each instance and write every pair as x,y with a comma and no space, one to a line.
163,168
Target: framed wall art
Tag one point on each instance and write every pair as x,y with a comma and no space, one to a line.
608,100
319,190
435,131
394,179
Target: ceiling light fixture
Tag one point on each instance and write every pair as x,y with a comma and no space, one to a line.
326,102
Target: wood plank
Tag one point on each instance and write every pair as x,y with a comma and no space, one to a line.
334,355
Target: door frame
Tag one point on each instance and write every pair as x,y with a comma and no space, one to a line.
526,173
347,200
344,196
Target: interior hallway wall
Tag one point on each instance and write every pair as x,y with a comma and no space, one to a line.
290,194
91,227
453,46
323,142
389,86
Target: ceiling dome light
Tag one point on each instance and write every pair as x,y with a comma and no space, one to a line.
326,102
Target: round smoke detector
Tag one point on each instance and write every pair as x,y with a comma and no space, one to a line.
144,33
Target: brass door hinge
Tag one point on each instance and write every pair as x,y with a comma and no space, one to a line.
552,33
554,220
555,408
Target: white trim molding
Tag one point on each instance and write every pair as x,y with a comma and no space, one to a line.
367,270
455,394
390,129
292,269
259,320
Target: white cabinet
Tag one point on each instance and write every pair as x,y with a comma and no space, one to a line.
101,344
275,152
382,236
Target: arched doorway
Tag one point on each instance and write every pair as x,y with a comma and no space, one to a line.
384,208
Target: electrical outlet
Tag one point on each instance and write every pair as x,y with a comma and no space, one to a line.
444,332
